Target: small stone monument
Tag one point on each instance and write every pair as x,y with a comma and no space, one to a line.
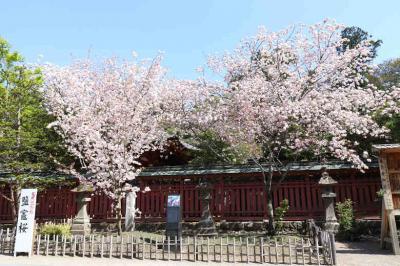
326,183
206,225
130,210
81,222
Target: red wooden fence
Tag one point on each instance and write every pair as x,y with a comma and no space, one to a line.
230,202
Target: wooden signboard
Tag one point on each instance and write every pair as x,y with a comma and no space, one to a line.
25,225
389,165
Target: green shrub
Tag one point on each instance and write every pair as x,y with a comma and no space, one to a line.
56,229
280,213
346,219
380,193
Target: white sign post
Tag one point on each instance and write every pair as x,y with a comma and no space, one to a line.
26,219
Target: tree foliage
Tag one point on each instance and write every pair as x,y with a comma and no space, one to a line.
354,36
26,145
109,114
291,93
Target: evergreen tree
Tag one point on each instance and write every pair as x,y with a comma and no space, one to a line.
26,145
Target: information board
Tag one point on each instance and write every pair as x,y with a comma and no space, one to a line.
26,220
174,200
174,224
389,165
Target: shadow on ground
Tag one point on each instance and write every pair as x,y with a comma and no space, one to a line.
365,252
367,246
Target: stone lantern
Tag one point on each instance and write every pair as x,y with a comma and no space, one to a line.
206,225
81,222
328,196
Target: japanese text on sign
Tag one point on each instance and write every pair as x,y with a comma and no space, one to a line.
25,224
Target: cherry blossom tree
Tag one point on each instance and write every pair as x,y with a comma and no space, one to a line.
109,114
289,93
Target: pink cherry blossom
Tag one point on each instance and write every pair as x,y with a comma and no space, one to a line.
109,114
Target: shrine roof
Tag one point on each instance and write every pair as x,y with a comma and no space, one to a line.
188,170
394,147
6,175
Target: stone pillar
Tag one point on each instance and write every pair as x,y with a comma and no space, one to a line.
130,211
206,225
328,196
81,222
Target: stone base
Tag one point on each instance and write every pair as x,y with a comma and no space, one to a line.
332,227
80,228
206,228
207,232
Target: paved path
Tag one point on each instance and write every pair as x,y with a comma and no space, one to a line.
364,253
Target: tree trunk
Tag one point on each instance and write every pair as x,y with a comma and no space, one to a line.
18,140
270,206
14,205
119,214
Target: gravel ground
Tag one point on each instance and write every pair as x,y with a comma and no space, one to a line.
349,254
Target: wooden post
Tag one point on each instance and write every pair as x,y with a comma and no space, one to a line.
47,244
283,251
233,250
269,251
202,248
143,248
302,251
38,245
254,250
276,251
195,248
317,247
163,248
56,246
155,252
102,246
83,246
64,244
384,225
227,248
169,246
132,246
111,247
150,251
247,249
295,250
188,248
214,244
261,250
333,248
180,248
176,247
208,249
220,249
290,251
92,241
122,247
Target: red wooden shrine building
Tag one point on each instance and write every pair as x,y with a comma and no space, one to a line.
237,193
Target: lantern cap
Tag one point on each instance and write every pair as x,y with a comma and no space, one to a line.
326,179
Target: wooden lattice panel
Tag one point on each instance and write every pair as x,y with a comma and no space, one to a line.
396,201
394,182
393,162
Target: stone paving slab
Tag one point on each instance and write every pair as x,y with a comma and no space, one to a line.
365,253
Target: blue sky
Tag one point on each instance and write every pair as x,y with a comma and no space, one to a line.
186,31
